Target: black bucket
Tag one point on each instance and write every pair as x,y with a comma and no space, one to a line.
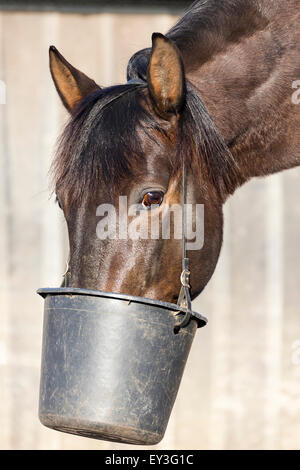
111,364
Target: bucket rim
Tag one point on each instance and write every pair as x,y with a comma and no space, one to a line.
44,292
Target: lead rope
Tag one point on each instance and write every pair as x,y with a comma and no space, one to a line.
184,299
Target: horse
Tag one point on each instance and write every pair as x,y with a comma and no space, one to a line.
216,93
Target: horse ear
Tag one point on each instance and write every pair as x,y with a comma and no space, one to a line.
166,80
71,84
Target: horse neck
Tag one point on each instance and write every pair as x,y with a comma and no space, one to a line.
209,27
245,77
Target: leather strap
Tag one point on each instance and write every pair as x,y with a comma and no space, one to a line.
184,298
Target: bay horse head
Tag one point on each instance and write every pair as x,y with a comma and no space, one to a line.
126,144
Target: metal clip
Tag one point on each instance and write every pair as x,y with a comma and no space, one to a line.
185,278
184,299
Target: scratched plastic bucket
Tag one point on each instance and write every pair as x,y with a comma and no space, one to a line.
111,364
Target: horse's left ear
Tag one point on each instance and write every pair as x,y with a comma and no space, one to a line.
71,84
166,80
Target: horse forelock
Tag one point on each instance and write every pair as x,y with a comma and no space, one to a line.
102,142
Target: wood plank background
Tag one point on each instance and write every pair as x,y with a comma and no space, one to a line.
241,388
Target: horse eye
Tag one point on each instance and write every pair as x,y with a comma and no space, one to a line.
153,198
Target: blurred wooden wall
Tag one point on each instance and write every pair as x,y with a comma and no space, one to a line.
241,388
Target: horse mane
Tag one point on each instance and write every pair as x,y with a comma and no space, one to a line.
209,26
101,141
206,28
